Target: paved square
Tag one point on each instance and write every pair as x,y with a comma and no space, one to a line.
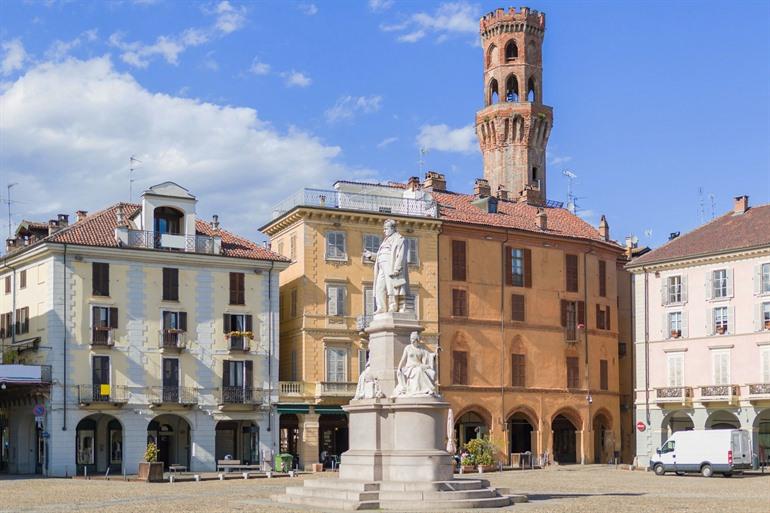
595,489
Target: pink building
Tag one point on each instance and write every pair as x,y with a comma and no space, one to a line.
702,331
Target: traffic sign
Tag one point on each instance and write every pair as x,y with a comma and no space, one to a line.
641,426
46,435
38,410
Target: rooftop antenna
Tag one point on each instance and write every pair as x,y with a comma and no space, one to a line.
421,161
8,200
648,233
131,169
571,200
702,210
713,197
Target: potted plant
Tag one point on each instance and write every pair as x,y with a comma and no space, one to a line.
482,452
467,464
151,470
721,330
676,333
767,325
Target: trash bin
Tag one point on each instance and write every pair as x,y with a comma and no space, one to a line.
283,462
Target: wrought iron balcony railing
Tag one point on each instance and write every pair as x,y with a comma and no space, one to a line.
169,241
173,340
718,392
759,390
102,393
173,395
673,394
102,336
330,198
239,395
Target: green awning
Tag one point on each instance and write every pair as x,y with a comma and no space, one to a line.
293,408
329,410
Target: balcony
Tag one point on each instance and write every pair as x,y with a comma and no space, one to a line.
335,389
759,392
239,397
238,341
20,374
719,393
172,242
102,395
102,336
172,341
173,396
673,395
333,199
291,388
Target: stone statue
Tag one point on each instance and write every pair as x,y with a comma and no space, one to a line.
391,273
416,371
368,386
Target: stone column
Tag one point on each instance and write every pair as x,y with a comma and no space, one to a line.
308,439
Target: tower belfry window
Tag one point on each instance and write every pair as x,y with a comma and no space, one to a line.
491,55
511,51
493,93
531,97
512,89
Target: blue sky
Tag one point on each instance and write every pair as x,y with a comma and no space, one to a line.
244,102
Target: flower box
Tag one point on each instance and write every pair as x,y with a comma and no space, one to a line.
465,469
721,330
486,468
152,472
676,333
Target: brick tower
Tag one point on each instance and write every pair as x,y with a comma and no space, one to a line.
514,125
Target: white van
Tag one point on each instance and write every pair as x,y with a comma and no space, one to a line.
716,450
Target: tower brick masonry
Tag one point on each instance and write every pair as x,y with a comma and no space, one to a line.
514,125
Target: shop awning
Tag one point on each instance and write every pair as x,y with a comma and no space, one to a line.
329,410
293,408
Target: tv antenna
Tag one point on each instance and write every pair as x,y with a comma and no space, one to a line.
713,198
421,160
131,169
648,233
8,201
701,210
571,199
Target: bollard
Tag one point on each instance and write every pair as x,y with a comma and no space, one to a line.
170,478
221,477
291,473
198,478
269,474
245,475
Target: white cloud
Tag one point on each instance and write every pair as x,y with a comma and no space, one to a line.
386,142
228,18
380,5
209,62
61,49
308,9
296,79
69,146
258,67
348,106
14,56
443,138
450,18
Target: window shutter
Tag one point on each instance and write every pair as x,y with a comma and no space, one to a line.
226,373
665,327
711,319
458,260
685,330
26,319
460,368
709,289
233,285
731,320
607,318
581,312
517,307
183,321
341,291
729,283
684,288
113,318
332,301
758,317
248,382
564,313
508,266
664,291
175,284
757,279
599,325
226,323
766,365
527,254
249,323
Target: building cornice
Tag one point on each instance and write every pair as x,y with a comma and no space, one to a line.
701,259
344,216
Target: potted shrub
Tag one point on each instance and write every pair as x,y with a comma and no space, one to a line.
467,464
676,333
721,330
482,452
151,469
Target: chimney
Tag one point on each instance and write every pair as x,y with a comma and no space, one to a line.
542,219
413,184
481,188
121,218
604,229
740,205
64,220
435,181
53,226
81,215
502,194
10,245
215,222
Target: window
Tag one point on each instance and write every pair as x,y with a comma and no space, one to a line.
335,300
7,284
23,279
369,301
6,325
293,304
335,246
622,349
237,381
719,284
571,266
604,381
459,303
573,372
603,317
100,378
669,446
174,324
675,369
22,320
363,357
517,307
237,289
293,368
412,253
511,51
721,321
371,243
674,324
764,317
459,367
765,363
458,260
602,278
518,267
517,370
238,328
103,320
572,316
280,248
100,274
673,294
764,279
720,365
293,247
336,364
170,284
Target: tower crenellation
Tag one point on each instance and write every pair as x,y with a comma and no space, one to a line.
514,125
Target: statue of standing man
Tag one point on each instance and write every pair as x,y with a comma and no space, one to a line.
391,273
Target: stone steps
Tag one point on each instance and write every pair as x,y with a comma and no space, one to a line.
483,493
443,505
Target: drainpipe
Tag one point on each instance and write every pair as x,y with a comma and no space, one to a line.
270,346
64,344
585,335
502,332
646,346
438,315
13,309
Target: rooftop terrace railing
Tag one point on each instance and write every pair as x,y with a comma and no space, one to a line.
329,198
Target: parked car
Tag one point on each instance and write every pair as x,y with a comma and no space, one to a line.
707,452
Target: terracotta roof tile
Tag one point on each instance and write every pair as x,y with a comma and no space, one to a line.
730,232
98,229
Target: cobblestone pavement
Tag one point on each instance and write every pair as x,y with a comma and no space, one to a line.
594,489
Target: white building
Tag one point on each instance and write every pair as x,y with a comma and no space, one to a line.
702,331
139,322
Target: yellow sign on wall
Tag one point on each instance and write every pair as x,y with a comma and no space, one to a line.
104,389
